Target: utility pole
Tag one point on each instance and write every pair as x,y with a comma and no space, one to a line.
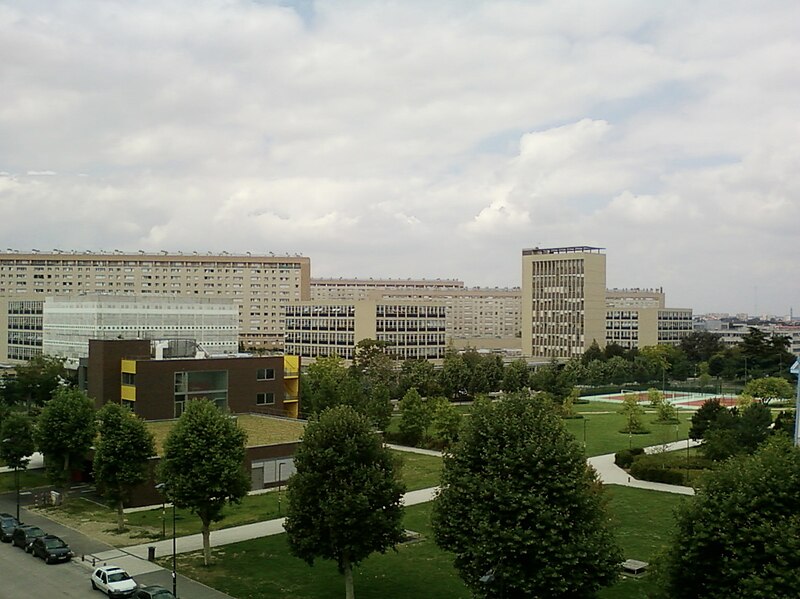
795,370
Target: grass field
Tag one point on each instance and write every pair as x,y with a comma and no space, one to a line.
28,479
641,518
419,472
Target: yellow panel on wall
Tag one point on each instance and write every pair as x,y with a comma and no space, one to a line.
129,366
128,392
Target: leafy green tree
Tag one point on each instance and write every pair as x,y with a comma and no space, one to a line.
414,418
37,380
203,464
373,368
122,454
16,443
64,432
553,380
699,346
345,498
613,350
655,397
593,352
596,373
768,388
325,384
445,421
704,417
454,377
784,423
739,536
515,376
419,374
568,407
517,497
634,416
735,432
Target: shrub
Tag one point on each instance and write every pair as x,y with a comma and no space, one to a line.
625,458
657,471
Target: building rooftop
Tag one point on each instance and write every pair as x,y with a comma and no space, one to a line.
261,430
574,249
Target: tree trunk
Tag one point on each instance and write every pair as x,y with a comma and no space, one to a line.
120,516
206,543
348,578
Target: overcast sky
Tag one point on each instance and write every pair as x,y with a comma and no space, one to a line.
424,138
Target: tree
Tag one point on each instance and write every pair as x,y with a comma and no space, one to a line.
517,497
553,380
703,418
454,376
768,388
414,418
737,431
345,498
634,416
593,352
739,536
323,384
203,464
699,346
515,376
445,421
16,444
420,374
122,453
64,433
38,379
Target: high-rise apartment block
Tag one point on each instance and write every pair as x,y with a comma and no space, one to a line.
566,307
260,286
563,300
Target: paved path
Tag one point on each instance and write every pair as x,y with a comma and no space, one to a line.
611,474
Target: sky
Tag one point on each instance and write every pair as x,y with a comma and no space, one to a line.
415,138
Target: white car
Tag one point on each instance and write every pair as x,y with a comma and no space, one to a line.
114,581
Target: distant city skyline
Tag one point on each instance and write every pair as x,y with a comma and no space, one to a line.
413,139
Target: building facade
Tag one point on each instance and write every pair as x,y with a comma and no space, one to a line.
259,285
360,289
563,301
127,372
412,329
634,327
69,322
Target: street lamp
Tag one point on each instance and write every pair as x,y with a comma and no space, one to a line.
280,485
162,487
16,477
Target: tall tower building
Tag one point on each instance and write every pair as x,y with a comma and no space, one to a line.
563,300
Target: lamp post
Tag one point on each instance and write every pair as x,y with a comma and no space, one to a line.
280,486
162,488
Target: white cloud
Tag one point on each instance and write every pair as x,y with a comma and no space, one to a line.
413,138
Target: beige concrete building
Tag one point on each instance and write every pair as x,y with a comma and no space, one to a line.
483,318
563,300
413,329
635,298
359,289
639,327
260,286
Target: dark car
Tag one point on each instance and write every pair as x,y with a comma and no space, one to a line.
7,525
25,534
51,549
153,592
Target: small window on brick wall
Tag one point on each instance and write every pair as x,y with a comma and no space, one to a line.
263,399
266,374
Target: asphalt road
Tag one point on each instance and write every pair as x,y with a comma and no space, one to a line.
22,575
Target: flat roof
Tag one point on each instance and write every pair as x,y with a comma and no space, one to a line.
573,249
261,430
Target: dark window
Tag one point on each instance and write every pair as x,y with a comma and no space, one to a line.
266,374
128,378
265,398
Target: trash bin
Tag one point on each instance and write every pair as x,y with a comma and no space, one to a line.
151,553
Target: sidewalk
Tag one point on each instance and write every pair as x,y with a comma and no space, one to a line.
611,474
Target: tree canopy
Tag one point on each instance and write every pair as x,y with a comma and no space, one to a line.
16,440
122,452
203,464
739,536
345,497
768,388
518,499
65,431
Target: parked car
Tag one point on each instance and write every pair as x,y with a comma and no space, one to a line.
51,549
7,525
24,535
114,581
153,592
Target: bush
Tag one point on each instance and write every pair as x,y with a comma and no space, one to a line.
625,458
657,472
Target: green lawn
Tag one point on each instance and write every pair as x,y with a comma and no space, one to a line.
28,479
602,430
419,472
264,568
